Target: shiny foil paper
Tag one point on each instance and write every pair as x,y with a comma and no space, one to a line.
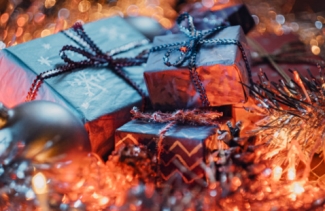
100,98
185,144
221,69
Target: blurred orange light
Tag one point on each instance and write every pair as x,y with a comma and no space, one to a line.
39,183
277,173
27,37
297,188
313,42
49,3
19,31
291,174
320,39
315,49
21,21
103,201
4,18
84,6
45,32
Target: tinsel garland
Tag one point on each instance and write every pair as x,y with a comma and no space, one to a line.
294,126
246,176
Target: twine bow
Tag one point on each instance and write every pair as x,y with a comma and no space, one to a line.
189,49
191,117
94,57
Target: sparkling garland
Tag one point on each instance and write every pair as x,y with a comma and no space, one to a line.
22,21
245,176
294,124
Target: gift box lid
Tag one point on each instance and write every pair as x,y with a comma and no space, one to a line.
188,132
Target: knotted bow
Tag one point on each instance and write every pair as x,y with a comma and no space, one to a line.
189,49
94,57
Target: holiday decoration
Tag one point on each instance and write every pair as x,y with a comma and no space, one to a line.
198,68
54,140
54,134
261,150
91,184
97,90
294,118
274,55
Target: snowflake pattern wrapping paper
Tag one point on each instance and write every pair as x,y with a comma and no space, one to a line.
100,98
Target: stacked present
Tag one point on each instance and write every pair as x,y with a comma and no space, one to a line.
174,109
195,69
204,70
109,67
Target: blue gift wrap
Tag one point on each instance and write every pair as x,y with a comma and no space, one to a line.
99,97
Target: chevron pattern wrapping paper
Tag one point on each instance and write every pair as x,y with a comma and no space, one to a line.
188,145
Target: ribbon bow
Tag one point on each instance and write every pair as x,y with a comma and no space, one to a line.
188,50
94,57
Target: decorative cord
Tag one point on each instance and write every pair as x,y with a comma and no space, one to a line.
94,57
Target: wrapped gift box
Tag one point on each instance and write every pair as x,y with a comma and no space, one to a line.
220,67
100,98
205,18
187,144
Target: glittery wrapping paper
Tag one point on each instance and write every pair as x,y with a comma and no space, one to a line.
205,18
220,67
187,144
97,96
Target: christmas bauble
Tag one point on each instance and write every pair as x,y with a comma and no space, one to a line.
43,132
